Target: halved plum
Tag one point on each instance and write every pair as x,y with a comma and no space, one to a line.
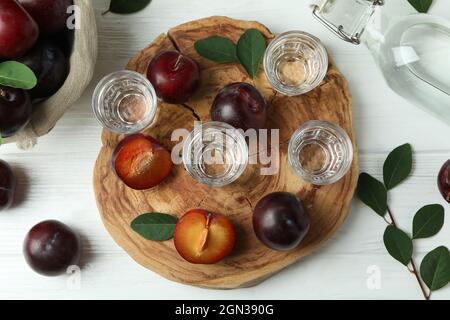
202,237
141,162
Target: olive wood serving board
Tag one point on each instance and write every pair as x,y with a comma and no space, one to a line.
250,262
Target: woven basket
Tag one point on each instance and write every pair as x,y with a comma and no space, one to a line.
82,63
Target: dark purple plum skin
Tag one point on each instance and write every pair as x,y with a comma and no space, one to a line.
15,110
280,221
50,247
444,181
50,15
240,105
50,65
8,184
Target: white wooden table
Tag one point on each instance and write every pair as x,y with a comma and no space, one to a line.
55,178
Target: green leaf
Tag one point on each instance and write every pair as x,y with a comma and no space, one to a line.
398,244
128,6
155,226
17,75
217,49
250,50
421,5
373,193
397,166
428,221
435,268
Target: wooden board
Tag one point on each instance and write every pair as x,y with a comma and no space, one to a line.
250,262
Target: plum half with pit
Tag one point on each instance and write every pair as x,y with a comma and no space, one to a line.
444,181
175,76
50,247
240,105
280,221
141,162
15,110
50,65
8,184
203,237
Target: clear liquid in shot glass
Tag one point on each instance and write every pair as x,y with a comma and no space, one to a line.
215,154
320,152
295,63
125,102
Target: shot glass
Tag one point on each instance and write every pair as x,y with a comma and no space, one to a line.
125,102
215,154
295,63
320,152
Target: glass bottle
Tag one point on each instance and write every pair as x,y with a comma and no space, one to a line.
411,49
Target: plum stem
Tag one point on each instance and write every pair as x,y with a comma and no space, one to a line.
2,93
413,269
178,62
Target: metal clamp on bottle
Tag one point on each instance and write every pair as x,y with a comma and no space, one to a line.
339,29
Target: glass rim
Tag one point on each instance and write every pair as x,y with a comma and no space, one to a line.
342,134
225,128
302,89
110,78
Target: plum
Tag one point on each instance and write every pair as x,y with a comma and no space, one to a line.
18,30
8,184
174,76
50,247
141,162
202,237
50,66
15,110
240,105
444,181
280,221
50,15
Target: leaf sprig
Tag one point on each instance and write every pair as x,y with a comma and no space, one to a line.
248,51
427,222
